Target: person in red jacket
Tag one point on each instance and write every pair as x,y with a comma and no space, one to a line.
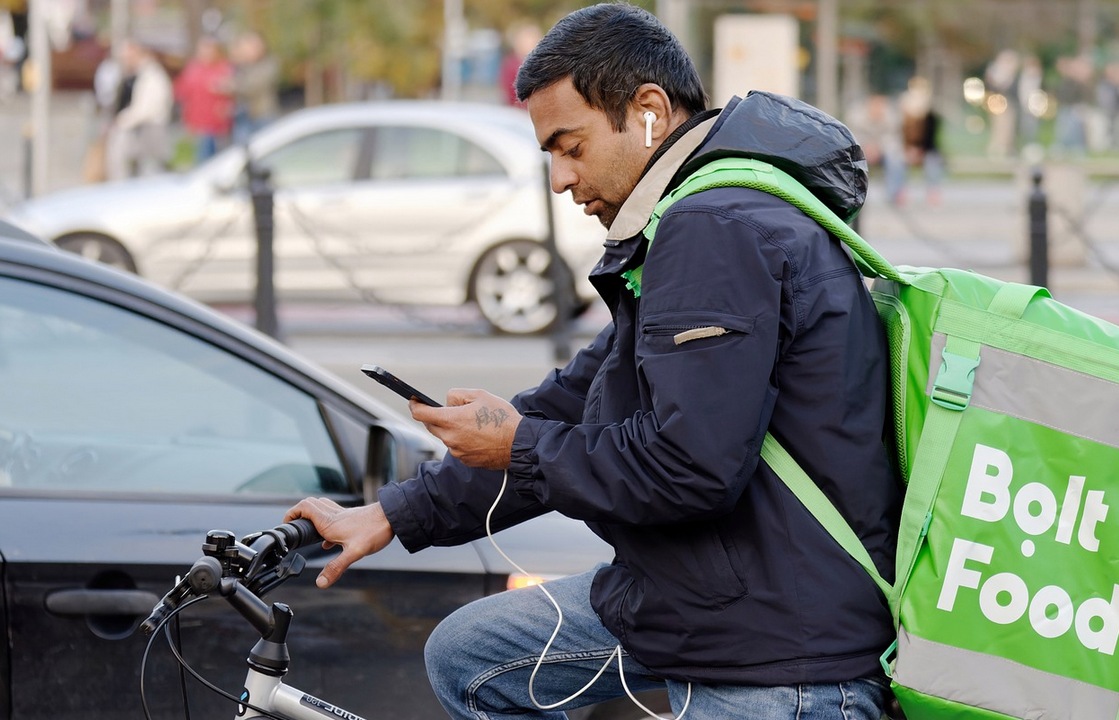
203,91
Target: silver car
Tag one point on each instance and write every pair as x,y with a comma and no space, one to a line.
413,202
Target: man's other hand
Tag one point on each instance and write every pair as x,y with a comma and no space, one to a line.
360,531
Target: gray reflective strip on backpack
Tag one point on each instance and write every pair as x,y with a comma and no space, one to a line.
1022,387
1004,687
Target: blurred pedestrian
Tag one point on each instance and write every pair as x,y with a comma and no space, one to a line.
109,93
1002,78
1075,95
1030,81
203,91
876,124
12,52
522,38
256,85
921,136
1107,99
137,143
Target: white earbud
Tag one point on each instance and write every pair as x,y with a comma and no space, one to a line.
650,118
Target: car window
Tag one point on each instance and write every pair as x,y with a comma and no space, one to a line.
319,159
415,152
95,397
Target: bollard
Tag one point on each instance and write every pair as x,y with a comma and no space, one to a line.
264,301
561,282
1039,232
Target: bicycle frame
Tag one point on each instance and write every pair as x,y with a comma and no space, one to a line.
269,692
268,663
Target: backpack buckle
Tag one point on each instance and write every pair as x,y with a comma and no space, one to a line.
954,381
888,658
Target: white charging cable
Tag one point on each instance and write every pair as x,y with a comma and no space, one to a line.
559,623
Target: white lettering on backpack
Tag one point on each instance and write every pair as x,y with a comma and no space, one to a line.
1004,598
987,497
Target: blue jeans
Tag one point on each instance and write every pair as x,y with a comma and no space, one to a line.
481,657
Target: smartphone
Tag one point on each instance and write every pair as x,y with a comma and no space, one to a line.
397,385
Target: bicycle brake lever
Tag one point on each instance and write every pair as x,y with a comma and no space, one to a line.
270,549
290,566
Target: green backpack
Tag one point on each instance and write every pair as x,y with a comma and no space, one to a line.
1006,598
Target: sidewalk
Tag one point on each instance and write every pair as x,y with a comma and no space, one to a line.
983,225
980,222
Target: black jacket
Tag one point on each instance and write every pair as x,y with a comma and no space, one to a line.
721,575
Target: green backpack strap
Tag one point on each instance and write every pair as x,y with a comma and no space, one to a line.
758,175
790,472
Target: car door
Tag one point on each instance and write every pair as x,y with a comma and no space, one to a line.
314,179
127,432
416,221
193,233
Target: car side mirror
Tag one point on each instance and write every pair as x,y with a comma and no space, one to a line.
228,174
382,462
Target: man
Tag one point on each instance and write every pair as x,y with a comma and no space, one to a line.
137,142
750,318
204,92
256,83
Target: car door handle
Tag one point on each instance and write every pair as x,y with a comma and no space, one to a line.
101,602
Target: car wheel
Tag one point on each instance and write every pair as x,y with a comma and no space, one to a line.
513,287
98,247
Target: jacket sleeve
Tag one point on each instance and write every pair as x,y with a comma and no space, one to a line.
709,321
446,503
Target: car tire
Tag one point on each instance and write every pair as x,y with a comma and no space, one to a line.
513,287
101,248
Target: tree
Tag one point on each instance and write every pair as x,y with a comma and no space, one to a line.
339,49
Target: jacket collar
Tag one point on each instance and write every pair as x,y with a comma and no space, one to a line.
635,211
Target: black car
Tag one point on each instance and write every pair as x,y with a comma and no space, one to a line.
132,422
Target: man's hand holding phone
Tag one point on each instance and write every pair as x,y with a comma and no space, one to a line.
476,426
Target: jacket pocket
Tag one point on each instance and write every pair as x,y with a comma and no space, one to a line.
693,329
696,560
721,585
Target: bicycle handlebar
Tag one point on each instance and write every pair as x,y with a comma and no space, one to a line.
244,569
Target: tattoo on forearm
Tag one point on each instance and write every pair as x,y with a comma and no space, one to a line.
484,416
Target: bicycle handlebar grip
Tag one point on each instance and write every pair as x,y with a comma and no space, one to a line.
299,532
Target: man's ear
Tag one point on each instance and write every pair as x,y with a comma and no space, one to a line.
651,98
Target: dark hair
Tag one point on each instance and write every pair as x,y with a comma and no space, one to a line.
608,51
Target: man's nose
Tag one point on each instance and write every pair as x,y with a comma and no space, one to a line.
561,176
